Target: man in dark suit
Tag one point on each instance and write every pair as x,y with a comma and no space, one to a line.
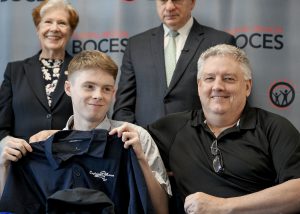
144,93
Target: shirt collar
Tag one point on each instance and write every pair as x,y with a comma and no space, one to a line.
247,120
105,124
75,143
70,135
185,30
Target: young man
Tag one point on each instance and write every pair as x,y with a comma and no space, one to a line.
91,86
229,157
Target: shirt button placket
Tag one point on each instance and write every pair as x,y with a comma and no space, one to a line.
76,172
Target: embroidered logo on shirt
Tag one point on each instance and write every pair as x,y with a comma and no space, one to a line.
101,175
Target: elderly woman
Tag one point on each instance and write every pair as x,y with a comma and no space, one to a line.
32,94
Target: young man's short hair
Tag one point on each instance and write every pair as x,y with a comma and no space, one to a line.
92,59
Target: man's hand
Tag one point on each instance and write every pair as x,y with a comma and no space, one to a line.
130,137
12,149
42,135
203,203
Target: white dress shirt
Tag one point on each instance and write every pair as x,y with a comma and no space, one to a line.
181,38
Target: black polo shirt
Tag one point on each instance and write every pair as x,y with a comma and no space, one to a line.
76,159
262,151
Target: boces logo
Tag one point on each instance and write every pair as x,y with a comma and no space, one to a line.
282,94
107,42
264,37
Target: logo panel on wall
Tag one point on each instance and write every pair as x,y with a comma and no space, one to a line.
282,94
107,42
265,37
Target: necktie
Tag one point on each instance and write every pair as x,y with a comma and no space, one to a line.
170,55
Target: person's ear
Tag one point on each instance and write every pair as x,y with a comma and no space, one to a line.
248,87
37,30
193,4
68,87
199,86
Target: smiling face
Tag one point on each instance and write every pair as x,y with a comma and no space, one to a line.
174,13
92,92
54,32
222,88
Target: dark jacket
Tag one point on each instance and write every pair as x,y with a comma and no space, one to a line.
24,108
143,95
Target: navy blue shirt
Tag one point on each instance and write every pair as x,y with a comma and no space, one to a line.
73,159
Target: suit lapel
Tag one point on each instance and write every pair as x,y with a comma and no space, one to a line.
36,82
59,90
192,43
157,44
35,78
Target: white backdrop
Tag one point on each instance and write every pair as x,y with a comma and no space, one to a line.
266,29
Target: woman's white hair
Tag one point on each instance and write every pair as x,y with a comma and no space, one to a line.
56,4
226,50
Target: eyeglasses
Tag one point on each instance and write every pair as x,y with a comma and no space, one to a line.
218,160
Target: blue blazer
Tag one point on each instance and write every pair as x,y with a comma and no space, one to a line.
24,108
143,95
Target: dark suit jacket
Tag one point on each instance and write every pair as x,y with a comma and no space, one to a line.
24,108
143,95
